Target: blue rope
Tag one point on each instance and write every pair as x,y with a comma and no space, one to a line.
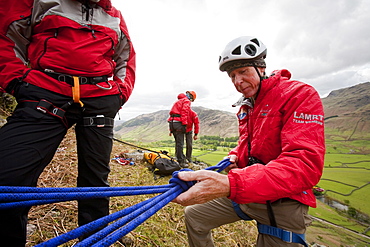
220,166
11,197
21,197
126,220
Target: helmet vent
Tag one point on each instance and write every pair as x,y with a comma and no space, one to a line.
256,41
250,50
237,51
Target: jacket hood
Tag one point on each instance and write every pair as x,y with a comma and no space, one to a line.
181,96
282,73
105,4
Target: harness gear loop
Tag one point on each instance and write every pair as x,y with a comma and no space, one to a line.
76,91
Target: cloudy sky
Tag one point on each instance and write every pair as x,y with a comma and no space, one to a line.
324,43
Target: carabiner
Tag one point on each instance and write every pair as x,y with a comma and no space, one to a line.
105,88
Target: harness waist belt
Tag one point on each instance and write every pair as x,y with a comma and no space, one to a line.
82,79
175,115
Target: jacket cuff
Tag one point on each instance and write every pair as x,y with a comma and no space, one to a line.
233,187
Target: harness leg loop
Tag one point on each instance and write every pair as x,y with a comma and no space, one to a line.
287,236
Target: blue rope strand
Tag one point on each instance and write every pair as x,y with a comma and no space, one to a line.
9,197
111,239
19,189
9,205
220,166
89,227
134,219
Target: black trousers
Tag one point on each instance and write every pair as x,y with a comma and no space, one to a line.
189,145
29,140
178,131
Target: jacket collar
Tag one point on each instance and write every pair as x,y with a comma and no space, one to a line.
265,86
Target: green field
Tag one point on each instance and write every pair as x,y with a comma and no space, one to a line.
346,178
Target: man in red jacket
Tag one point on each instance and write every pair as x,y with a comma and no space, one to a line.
278,160
193,121
178,120
68,63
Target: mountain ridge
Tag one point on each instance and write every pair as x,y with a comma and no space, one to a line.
154,127
346,110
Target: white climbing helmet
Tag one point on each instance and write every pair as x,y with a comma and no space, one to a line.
241,52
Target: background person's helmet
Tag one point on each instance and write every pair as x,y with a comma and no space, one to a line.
241,52
191,95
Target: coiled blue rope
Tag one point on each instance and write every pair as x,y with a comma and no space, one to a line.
126,220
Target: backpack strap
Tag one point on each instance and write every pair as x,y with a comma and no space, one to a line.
287,236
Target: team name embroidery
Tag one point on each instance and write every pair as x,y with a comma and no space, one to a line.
300,117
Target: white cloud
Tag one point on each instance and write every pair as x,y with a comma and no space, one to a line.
323,43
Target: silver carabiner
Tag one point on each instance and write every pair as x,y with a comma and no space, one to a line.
105,88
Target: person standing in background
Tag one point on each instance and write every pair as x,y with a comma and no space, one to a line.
178,120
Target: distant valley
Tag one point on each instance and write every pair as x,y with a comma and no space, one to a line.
347,113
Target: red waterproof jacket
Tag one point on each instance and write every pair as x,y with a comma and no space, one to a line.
285,129
193,120
62,36
180,110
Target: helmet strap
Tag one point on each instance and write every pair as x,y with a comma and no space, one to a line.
261,78
258,72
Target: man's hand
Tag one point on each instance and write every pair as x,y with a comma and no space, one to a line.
195,137
210,185
233,160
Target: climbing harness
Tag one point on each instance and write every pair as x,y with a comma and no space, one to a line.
47,107
126,220
82,80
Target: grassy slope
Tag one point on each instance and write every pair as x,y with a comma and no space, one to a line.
166,227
